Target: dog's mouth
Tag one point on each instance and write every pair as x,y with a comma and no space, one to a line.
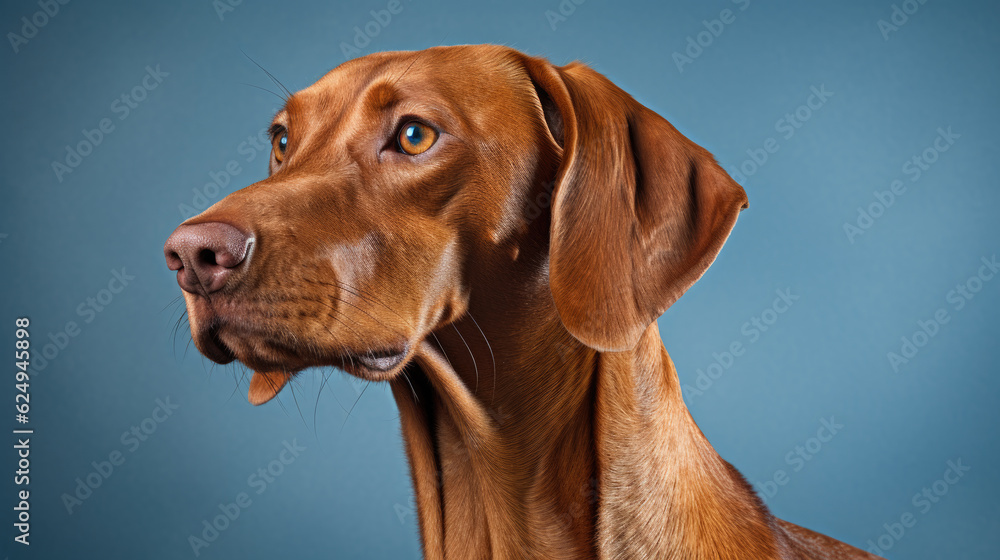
383,360
212,347
275,363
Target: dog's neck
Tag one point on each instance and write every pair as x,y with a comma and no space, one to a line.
545,448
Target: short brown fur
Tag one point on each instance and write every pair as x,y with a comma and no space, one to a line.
518,268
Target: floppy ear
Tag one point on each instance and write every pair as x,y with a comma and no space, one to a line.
639,211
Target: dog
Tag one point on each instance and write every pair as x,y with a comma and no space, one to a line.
494,236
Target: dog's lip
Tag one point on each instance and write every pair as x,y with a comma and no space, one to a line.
213,348
377,357
266,383
381,360
224,339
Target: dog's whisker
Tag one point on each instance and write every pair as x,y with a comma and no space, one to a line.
414,61
186,347
239,380
330,374
444,352
291,388
354,331
172,302
179,310
377,301
275,388
475,365
175,323
414,391
490,348
283,99
182,320
339,320
173,334
325,377
356,293
358,335
269,75
365,388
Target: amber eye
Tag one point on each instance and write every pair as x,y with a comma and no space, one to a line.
279,145
416,138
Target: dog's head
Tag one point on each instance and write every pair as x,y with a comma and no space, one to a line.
401,184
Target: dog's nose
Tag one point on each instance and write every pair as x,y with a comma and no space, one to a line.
205,255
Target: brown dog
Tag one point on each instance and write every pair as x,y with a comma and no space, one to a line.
405,233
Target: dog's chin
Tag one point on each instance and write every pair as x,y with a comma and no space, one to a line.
207,342
372,365
274,365
270,378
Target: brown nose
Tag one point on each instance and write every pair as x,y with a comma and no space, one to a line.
205,255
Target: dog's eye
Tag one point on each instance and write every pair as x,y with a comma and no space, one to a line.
416,138
280,146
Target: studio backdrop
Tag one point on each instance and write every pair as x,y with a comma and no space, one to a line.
841,351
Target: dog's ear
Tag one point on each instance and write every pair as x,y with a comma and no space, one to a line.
639,211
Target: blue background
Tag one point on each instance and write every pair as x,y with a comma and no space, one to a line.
348,494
